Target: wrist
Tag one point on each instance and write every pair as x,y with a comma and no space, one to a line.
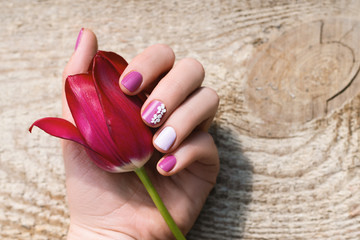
77,232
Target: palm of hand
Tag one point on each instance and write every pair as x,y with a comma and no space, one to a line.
110,202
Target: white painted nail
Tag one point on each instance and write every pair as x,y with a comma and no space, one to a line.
166,138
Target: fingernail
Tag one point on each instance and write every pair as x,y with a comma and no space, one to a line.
168,163
79,38
132,81
166,138
154,112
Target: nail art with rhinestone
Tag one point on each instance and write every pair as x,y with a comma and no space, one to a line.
154,112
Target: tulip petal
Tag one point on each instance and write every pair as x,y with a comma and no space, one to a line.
59,127
122,113
88,115
100,161
116,60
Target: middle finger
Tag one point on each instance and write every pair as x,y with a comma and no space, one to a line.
171,91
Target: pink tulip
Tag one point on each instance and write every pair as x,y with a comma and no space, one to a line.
108,123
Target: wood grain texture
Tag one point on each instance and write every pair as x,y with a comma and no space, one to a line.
288,127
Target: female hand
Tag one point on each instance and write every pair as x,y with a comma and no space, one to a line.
116,206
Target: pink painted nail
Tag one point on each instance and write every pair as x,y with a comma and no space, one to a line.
166,138
132,81
154,112
168,163
79,38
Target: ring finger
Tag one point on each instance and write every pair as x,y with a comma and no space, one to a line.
196,111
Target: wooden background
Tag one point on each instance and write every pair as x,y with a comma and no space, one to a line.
288,128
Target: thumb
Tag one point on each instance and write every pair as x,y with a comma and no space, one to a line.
85,49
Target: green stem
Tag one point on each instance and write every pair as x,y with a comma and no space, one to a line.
141,173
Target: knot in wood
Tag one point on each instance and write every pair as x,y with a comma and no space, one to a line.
305,73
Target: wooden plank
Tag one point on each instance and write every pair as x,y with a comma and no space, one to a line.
288,128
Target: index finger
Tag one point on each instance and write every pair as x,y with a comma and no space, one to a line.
146,69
